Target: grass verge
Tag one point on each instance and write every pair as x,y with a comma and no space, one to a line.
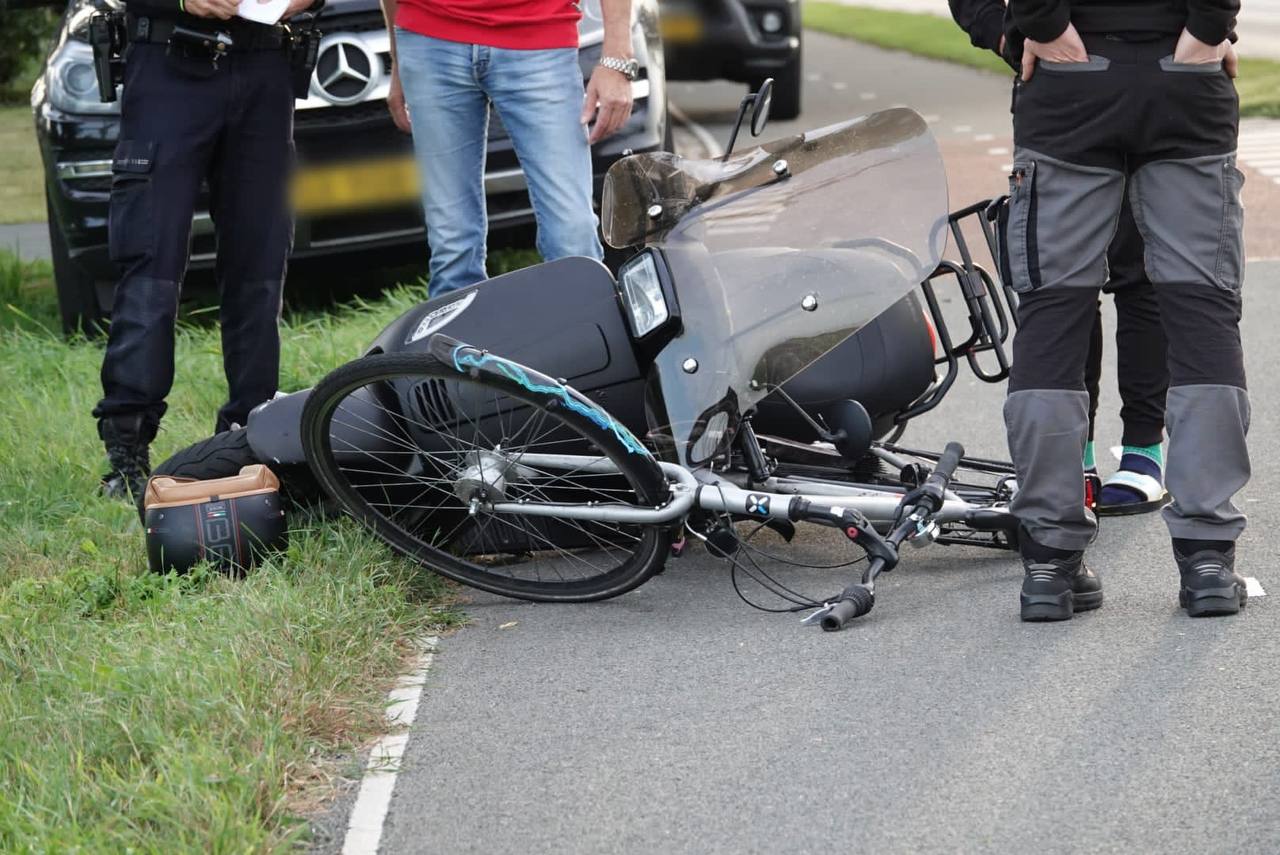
21,175
149,714
937,37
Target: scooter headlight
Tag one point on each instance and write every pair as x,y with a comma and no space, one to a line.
642,294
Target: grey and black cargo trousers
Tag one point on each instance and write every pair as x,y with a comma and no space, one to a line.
1130,120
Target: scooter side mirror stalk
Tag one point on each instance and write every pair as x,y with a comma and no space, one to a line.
758,103
747,102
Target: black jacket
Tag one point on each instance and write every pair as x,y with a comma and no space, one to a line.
1210,21
987,22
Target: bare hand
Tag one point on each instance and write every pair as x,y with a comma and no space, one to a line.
295,6
396,105
223,10
1231,62
1065,48
608,91
1192,51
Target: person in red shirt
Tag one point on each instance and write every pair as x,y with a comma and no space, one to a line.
451,59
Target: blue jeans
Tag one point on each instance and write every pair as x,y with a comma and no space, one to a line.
538,95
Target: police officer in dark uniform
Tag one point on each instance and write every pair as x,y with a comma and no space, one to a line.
208,97
1135,99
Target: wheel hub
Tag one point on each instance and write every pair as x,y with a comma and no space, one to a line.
482,477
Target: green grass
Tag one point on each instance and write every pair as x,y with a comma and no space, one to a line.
197,714
21,175
914,32
937,37
1259,88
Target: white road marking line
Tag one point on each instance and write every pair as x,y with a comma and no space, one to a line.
369,814
1254,587
839,86
931,118
962,129
704,137
1006,167
996,152
1259,148
867,96
813,77
983,137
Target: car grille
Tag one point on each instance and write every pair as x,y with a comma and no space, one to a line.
369,112
361,22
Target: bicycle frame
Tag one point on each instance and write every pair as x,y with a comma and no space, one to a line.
780,498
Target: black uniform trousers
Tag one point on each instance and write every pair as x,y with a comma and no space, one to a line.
1129,120
180,127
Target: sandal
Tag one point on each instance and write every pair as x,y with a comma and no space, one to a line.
1139,494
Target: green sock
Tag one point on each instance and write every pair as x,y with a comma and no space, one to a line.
1154,453
1089,462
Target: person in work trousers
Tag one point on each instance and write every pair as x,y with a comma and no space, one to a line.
1112,100
188,116
1138,484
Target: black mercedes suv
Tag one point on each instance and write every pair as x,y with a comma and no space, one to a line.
742,40
356,187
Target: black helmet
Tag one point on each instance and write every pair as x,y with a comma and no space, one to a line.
231,522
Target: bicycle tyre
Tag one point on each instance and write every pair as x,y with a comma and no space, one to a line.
641,472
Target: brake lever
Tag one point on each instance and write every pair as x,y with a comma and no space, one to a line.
817,616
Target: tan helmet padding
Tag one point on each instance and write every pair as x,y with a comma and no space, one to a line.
164,491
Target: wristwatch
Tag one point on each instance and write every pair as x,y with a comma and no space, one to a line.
628,67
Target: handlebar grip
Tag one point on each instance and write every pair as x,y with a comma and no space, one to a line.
855,602
936,484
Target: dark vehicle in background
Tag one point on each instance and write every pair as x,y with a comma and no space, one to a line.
743,40
356,188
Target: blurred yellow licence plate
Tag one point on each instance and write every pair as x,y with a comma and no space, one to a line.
681,27
355,186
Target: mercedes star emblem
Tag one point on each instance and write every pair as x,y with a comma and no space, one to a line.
347,70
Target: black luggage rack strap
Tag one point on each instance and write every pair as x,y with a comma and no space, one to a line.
989,301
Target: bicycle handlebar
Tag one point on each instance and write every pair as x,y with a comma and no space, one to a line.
935,486
854,602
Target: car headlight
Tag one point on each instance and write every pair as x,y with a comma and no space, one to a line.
72,81
642,294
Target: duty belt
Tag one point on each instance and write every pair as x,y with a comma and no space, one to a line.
247,35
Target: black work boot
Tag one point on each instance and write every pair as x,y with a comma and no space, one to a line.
127,439
1210,584
1057,583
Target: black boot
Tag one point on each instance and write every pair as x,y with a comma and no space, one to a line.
1210,584
127,439
1057,583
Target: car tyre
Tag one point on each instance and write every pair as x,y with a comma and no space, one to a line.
76,287
788,83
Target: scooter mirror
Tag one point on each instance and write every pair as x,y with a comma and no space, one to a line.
760,114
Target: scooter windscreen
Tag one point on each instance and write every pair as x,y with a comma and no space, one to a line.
777,256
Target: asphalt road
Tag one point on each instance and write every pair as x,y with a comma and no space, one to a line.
676,719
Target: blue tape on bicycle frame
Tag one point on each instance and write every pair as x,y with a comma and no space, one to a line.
514,372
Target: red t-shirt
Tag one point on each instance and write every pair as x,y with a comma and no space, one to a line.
516,24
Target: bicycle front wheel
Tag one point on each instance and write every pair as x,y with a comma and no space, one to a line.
420,448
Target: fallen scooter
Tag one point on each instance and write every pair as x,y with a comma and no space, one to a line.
754,361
